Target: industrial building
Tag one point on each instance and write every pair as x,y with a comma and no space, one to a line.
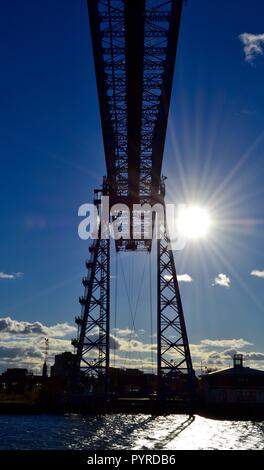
63,365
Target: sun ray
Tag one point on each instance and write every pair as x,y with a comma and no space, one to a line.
219,191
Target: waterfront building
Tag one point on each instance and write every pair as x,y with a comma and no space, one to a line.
235,385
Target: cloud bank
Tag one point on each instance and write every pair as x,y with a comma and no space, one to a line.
226,343
22,345
14,327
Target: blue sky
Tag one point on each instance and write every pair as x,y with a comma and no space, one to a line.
52,157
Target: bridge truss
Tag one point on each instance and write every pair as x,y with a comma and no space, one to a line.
134,46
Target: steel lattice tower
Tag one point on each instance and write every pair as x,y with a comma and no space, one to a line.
134,46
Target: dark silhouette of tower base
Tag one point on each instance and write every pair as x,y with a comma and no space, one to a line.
174,364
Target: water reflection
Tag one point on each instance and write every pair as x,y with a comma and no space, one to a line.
172,432
175,433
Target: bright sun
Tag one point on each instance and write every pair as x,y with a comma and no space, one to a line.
194,222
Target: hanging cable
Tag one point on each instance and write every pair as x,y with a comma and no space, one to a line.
151,314
133,315
115,313
140,288
137,304
129,289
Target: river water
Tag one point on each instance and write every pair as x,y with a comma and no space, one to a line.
173,432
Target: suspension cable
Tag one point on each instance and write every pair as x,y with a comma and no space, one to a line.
151,314
116,299
133,314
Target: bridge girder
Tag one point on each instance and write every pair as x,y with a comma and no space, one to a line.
134,47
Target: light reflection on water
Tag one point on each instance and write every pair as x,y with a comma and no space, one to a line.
172,432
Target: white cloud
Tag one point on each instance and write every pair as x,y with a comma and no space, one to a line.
257,273
220,357
6,276
22,343
254,356
134,345
14,327
253,46
59,330
114,343
123,332
226,343
23,348
212,354
224,358
222,280
184,278
134,363
10,276
180,277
